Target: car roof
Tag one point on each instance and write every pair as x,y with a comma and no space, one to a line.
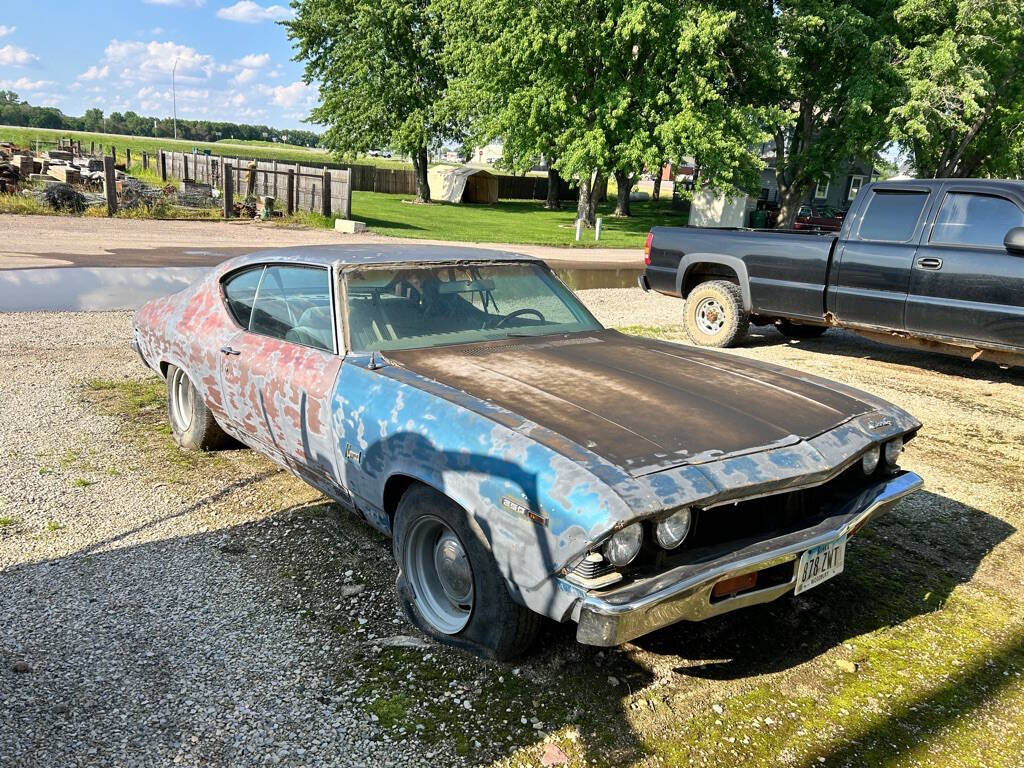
374,254
981,185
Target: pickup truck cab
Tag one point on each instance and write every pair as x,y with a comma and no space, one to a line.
936,263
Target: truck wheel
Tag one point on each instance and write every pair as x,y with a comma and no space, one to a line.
799,331
448,582
192,423
714,314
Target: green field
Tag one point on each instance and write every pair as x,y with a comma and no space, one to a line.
508,221
291,153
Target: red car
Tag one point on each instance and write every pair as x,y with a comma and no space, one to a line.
820,219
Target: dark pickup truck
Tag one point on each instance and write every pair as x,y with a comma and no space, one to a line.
935,263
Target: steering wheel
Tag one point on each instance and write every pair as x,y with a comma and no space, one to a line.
520,313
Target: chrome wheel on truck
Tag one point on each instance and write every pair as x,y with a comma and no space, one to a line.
715,316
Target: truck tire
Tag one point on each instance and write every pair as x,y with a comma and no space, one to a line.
192,424
800,331
448,582
714,314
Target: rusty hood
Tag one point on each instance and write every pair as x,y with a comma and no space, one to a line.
642,404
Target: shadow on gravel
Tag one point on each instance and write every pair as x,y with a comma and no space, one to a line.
901,566
848,344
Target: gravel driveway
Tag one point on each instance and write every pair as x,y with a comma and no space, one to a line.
158,608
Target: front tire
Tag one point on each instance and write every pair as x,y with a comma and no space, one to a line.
714,314
192,424
448,582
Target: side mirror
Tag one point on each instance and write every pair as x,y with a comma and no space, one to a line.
1014,241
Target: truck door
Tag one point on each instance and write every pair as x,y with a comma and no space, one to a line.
877,256
964,283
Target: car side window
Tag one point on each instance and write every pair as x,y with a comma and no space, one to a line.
294,304
968,219
892,215
240,292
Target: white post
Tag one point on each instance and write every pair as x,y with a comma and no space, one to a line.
597,230
579,228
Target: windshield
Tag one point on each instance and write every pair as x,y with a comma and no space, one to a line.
412,308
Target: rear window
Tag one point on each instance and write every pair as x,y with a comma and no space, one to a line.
240,291
892,215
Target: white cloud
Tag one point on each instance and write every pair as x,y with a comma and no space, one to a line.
4,31
24,84
95,73
178,3
143,61
13,56
246,76
248,12
293,95
156,31
254,60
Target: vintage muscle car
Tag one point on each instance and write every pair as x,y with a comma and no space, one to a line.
526,461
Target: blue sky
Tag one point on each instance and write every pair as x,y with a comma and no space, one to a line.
234,61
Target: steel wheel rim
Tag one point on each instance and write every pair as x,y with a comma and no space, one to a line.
710,316
182,399
438,570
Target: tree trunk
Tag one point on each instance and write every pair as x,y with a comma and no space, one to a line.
624,184
554,183
419,163
790,198
585,204
600,193
656,193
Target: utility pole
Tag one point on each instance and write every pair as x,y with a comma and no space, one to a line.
174,98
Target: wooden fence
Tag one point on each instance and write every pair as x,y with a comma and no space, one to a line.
294,186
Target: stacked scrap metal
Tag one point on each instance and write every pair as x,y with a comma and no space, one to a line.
10,175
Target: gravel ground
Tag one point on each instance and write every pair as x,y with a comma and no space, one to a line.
211,610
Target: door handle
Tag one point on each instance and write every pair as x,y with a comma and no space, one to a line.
230,351
929,263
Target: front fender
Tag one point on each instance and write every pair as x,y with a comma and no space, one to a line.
538,510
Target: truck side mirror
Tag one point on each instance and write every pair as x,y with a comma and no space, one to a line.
1014,241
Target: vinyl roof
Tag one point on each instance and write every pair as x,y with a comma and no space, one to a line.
360,255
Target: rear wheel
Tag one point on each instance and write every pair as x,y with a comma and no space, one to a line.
448,582
192,423
798,331
714,314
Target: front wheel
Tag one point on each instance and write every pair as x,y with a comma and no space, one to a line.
192,423
714,314
448,582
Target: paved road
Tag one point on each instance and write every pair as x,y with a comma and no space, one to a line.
51,241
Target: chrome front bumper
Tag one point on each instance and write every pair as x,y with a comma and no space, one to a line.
684,593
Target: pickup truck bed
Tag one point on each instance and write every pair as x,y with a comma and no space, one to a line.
937,263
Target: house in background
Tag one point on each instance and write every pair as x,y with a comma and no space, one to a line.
836,190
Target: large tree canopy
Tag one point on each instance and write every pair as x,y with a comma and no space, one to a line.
832,77
962,67
603,86
381,77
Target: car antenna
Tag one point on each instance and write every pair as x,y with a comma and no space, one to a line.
374,363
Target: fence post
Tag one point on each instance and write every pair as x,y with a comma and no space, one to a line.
325,194
127,159
163,165
92,147
229,191
113,153
346,200
109,185
184,162
145,161
290,193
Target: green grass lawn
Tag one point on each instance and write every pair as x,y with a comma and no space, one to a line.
508,221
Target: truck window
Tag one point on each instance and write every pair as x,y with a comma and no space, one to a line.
892,215
966,219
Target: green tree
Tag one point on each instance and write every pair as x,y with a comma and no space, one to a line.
380,74
833,80
601,86
962,111
93,119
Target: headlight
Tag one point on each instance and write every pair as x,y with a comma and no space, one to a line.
869,461
621,548
671,531
892,451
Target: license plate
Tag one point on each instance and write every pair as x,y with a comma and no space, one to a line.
820,564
